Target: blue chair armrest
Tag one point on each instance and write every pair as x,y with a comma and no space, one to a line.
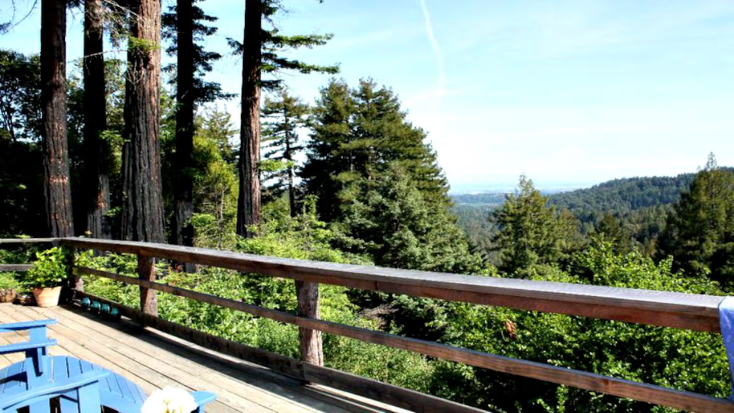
25,325
201,398
28,345
47,391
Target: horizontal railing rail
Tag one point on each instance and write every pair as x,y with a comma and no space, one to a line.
678,310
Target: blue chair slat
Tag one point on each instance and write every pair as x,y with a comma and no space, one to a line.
13,380
53,389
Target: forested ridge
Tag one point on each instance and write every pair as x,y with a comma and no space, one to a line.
346,178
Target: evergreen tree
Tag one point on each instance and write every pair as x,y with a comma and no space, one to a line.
331,126
20,96
530,232
615,234
97,151
21,160
356,134
142,207
379,183
282,119
57,185
186,27
262,52
699,233
397,224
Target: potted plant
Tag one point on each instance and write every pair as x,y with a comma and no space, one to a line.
46,276
8,286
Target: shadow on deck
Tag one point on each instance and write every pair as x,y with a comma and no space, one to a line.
153,360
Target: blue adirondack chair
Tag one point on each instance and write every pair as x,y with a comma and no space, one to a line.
81,387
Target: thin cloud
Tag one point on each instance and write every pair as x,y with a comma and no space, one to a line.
436,50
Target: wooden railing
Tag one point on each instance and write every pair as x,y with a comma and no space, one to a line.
678,310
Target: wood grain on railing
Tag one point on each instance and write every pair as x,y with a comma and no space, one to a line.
10,241
15,267
666,309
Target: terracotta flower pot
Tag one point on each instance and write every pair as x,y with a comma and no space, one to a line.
47,297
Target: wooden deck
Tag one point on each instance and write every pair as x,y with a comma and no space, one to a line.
154,360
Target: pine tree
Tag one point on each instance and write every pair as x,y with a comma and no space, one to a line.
331,126
262,53
530,232
397,224
57,188
283,117
379,184
699,233
356,134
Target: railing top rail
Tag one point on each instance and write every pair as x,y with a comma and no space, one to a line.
698,312
669,309
8,241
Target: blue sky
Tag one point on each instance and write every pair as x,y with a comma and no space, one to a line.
569,92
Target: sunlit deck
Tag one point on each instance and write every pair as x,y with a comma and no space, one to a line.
153,360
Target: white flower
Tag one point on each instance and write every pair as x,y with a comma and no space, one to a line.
169,400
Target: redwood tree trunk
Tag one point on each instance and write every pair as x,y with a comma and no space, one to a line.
248,203
57,189
142,206
182,232
97,157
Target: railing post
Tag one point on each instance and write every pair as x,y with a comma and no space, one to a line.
148,298
75,282
308,306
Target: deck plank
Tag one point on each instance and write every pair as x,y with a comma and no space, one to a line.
153,360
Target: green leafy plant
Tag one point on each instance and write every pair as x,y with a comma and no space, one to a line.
7,281
49,269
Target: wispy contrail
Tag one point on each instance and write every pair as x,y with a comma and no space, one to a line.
436,50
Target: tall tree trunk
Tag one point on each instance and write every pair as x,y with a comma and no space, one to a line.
182,232
142,207
97,157
57,189
288,155
248,203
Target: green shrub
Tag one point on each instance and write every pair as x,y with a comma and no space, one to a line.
8,281
49,269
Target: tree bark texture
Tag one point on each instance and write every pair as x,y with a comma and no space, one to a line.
148,297
57,189
97,155
288,155
182,232
308,306
142,206
248,203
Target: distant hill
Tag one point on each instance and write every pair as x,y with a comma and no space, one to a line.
483,199
622,196
641,205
